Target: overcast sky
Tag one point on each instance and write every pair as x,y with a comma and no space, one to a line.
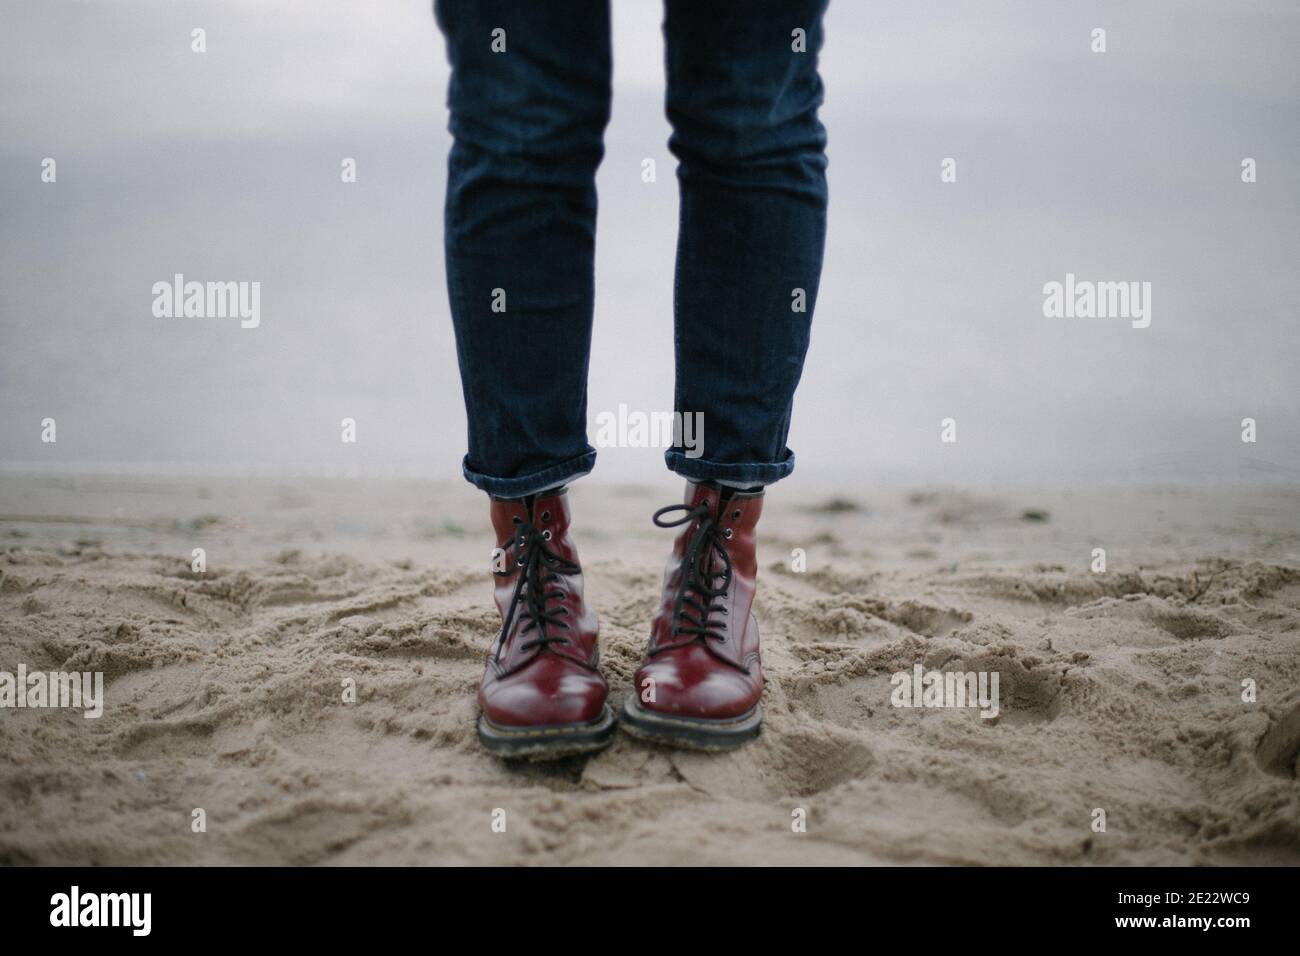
225,165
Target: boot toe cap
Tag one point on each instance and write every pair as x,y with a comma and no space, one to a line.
709,692
522,700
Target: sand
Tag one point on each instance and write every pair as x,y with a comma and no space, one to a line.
224,689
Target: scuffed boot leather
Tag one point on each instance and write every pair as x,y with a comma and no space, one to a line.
542,695
702,678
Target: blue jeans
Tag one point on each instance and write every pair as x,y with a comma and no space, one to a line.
528,123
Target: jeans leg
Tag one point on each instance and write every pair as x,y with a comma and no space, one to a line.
529,100
752,176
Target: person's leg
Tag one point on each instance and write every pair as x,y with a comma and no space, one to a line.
743,93
529,100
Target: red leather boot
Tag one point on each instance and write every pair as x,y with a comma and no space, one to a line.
542,696
702,679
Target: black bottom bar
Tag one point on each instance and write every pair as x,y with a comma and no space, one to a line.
336,905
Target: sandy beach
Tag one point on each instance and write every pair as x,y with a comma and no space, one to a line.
224,690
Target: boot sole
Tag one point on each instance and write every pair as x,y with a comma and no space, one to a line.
691,733
552,742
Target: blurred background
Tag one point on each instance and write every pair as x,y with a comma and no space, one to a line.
226,166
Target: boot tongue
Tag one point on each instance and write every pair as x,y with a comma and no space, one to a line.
717,495
705,491
506,510
524,505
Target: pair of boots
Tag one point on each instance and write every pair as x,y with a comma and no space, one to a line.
542,694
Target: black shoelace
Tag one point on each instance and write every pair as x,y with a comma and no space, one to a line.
695,604
539,577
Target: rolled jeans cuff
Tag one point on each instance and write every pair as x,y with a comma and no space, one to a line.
530,484
741,473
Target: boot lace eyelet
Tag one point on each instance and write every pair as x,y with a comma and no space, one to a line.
735,515
704,574
539,605
546,516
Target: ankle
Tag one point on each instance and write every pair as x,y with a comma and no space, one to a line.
527,501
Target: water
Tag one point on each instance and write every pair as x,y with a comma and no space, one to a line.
225,165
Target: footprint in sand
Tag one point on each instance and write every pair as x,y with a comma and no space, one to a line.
1279,748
